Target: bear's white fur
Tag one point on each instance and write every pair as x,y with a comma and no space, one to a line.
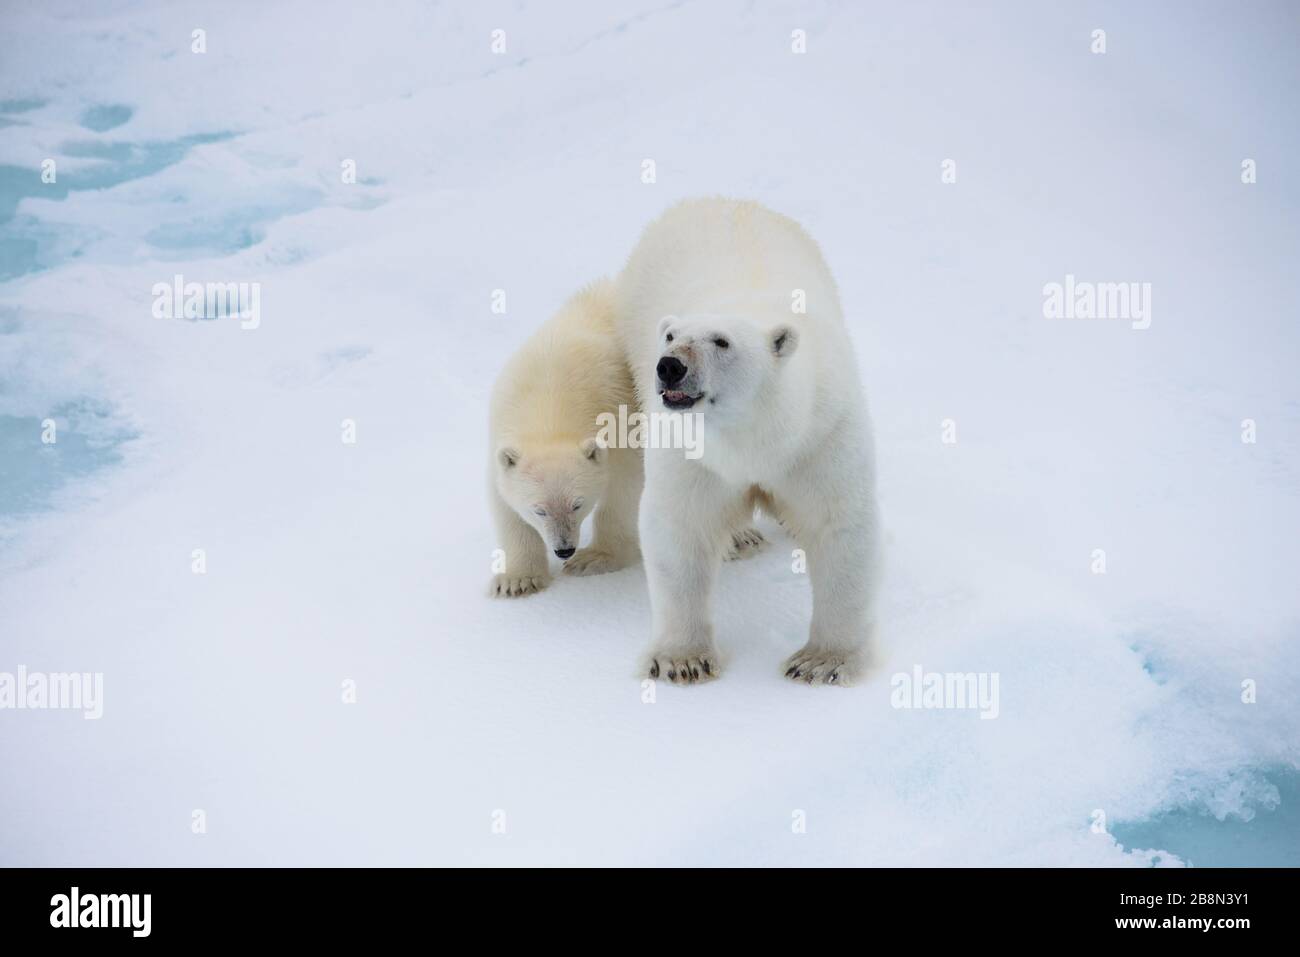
547,472
714,284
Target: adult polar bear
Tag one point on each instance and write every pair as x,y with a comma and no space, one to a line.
728,309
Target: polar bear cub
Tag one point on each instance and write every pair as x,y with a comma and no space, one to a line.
727,309
547,471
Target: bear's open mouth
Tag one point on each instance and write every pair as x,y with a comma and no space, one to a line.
679,400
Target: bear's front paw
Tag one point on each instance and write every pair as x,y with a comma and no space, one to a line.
516,586
592,561
744,544
814,666
683,667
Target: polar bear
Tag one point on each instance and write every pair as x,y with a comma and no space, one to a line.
547,471
727,309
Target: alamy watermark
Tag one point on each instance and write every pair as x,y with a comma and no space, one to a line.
37,690
921,689
179,299
652,430
129,911
1075,299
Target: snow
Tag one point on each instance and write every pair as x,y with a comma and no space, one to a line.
328,562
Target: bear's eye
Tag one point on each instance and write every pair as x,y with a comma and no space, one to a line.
721,343
577,505
668,338
538,510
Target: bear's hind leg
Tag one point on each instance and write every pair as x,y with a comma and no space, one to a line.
742,544
744,540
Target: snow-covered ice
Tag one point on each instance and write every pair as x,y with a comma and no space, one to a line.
329,562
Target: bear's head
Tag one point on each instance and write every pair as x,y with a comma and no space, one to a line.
553,487
719,364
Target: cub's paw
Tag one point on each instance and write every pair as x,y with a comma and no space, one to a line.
516,586
592,561
683,667
744,544
813,666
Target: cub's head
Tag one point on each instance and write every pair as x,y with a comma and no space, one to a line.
553,488
719,362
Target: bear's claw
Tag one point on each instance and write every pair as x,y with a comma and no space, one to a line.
516,586
592,561
819,667
744,544
683,669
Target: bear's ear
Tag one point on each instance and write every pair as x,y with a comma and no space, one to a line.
508,457
784,340
664,323
592,451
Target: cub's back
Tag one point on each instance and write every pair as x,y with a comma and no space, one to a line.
565,374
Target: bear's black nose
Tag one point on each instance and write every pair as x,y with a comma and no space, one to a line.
671,371
565,552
